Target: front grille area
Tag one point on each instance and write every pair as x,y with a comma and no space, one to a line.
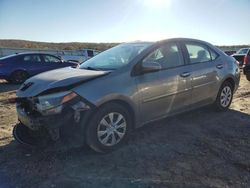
28,105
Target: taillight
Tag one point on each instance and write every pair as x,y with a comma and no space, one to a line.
245,59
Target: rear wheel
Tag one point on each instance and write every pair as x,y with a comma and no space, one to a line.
108,128
224,97
248,77
19,77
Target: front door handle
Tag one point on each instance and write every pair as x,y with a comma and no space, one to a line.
219,66
185,74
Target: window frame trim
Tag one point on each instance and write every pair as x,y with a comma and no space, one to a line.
180,51
209,49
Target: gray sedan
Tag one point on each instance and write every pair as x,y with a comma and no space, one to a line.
124,88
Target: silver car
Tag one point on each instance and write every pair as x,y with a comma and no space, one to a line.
124,88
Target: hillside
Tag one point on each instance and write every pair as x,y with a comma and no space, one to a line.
76,45
58,46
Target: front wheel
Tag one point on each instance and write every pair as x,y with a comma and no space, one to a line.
108,128
224,97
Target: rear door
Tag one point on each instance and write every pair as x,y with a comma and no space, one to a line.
168,90
204,66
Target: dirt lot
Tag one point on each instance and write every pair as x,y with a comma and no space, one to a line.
201,148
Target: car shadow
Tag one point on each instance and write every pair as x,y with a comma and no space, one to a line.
7,87
191,149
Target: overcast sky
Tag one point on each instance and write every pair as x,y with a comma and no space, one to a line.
221,22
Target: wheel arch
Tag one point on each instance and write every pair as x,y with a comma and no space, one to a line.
125,103
217,103
230,80
19,69
13,74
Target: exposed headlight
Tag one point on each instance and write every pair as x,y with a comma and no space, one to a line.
52,103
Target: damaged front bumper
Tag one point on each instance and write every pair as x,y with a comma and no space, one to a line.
34,126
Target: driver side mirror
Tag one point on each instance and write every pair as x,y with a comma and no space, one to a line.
148,67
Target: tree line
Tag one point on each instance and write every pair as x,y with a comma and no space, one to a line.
55,46
76,45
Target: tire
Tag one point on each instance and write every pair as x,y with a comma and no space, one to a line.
19,77
248,77
224,97
22,135
103,136
8,80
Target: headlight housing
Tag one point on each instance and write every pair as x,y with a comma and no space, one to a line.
52,103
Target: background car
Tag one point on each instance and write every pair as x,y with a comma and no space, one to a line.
241,56
230,52
246,65
18,67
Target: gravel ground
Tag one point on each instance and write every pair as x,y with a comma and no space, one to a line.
201,148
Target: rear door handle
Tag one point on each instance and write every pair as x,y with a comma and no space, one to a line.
185,74
219,66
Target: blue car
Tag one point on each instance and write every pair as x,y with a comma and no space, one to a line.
17,68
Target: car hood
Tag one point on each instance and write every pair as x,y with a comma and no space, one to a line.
58,79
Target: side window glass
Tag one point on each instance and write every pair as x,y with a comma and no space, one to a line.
90,53
51,59
198,53
32,58
168,56
27,58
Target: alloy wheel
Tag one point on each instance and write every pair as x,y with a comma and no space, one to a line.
111,129
226,96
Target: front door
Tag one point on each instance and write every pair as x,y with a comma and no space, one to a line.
167,90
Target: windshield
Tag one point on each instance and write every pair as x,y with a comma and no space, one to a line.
115,57
243,51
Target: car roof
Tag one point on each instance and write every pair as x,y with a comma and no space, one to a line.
33,53
138,42
169,40
183,39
